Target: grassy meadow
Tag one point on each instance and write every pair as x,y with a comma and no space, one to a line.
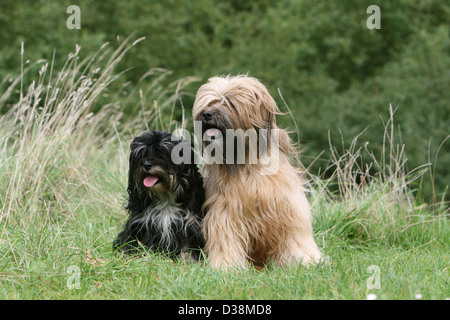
63,168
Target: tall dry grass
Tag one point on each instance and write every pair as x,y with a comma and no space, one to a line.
61,148
372,198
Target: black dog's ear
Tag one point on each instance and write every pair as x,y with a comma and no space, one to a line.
191,163
132,189
193,194
131,183
194,154
131,168
198,196
181,153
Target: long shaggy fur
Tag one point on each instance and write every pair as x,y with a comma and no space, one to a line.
251,217
166,216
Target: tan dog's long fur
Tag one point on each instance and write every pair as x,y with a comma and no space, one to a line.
252,217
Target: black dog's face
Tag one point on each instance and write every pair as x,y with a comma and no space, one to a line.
151,165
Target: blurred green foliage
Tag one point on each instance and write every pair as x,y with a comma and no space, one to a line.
337,76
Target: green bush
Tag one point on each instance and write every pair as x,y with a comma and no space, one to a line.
333,72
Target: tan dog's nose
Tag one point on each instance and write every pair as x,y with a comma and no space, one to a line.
207,115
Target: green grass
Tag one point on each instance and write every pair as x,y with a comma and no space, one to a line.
63,175
39,270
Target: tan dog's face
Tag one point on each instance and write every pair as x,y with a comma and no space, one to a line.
234,103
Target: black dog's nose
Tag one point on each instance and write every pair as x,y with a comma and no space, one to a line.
207,115
147,165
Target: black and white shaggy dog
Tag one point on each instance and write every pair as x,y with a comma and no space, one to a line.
164,199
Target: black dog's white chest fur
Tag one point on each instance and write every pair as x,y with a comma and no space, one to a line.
173,222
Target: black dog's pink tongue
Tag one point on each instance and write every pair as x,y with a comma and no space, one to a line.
150,181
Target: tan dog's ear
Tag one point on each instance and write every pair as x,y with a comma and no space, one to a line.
268,109
285,144
266,104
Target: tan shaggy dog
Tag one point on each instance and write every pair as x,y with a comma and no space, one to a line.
256,212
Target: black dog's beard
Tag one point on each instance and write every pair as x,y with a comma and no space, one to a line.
164,201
